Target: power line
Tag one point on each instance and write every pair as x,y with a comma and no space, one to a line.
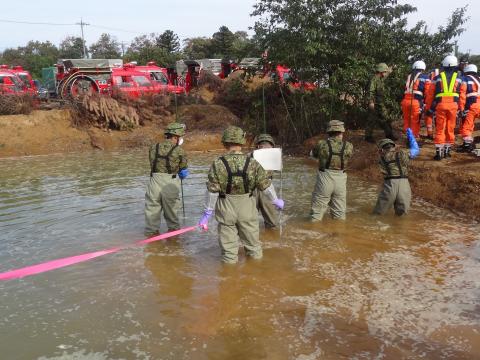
34,23
113,29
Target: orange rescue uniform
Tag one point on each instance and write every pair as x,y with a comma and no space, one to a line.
413,100
449,98
428,101
471,86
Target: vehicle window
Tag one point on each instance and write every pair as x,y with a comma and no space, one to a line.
25,80
141,80
159,77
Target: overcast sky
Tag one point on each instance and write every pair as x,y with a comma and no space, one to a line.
187,18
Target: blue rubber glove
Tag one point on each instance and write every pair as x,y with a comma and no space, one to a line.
279,204
182,174
203,223
414,149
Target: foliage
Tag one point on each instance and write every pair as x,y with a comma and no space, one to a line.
198,48
163,48
222,42
342,40
71,48
107,47
15,104
34,56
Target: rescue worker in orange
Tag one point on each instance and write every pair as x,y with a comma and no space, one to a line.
448,101
414,98
428,119
471,86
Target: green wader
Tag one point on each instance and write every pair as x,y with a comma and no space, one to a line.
237,218
267,209
163,194
330,192
395,192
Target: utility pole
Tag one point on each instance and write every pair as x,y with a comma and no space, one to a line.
123,48
82,24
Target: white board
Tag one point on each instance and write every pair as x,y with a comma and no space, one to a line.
270,159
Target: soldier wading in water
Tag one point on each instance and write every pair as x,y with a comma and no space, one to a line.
232,179
168,165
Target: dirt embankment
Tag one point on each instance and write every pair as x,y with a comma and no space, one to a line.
47,132
451,183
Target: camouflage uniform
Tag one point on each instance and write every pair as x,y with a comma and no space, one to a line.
379,115
396,188
331,185
163,191
235,209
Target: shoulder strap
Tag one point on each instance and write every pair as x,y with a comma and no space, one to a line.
154,166
342,155
229,174
163,157
246,185
397,160
243,174
387,165
330,154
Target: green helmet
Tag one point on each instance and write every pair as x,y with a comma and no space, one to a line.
385,142
335,125
233,135
382,67
264,137
175,128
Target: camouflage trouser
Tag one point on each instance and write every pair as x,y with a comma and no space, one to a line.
267,209
378,118
330,192
237,218
395,192
163,194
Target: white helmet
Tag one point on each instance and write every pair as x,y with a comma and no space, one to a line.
450,61
470,68
419,65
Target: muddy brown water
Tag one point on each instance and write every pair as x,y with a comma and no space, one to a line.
367,288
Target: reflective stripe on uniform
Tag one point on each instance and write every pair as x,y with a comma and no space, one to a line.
448,89
411,83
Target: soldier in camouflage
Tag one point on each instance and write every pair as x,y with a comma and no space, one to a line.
232,179
377,114
331,185
168,164
396,190
264,205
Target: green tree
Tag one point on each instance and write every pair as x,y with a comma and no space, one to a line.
198,48
145,48
33,57
71,48
169,41
222,42
107,47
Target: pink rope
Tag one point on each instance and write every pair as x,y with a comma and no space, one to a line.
60,263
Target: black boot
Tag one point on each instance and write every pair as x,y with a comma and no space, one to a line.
447,153
438,154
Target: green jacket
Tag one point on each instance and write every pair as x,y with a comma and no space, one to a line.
218,179
376,90
330,157
394,164
169,159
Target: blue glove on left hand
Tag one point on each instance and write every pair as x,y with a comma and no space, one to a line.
413,145
182,174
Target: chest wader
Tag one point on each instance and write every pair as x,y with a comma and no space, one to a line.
163,194
330,188
396,190
237,218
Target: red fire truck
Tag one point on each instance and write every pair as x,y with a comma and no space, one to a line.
10,83
27,79
161,79
130,81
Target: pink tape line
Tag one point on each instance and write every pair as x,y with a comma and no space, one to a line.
60,263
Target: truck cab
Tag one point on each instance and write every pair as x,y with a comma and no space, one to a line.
10,83
160,78
26,78
129,81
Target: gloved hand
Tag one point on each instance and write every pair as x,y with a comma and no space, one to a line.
203,223
412,144
182,174
279,204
